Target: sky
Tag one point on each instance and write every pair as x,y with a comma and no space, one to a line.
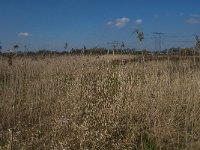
49,24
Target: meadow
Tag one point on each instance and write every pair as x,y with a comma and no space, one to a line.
99,102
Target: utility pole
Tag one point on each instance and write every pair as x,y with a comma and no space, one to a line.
66,45
108,47
84,48
114,45
158,36
158,43
122,46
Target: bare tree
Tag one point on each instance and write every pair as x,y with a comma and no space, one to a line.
197,45
122,45
140,37
66,45
15,47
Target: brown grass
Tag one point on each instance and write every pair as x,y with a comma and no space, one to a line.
90,102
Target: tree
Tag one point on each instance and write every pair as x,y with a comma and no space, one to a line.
197,42
66,45
15,47
140,37
122,45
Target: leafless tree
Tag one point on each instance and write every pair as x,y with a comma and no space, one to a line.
66,45
197,45
15,47
84,48
140,37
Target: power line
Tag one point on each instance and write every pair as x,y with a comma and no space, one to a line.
158,36
114,44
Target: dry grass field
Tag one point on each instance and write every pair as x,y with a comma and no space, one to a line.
99,102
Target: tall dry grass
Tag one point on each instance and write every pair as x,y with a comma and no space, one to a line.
106,102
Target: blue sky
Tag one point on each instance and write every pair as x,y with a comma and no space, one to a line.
49,24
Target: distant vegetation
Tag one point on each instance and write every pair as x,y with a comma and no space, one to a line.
103,51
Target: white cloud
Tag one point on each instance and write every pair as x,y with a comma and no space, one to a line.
138,21
196,15
120,22
109,23
24,34
194,19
